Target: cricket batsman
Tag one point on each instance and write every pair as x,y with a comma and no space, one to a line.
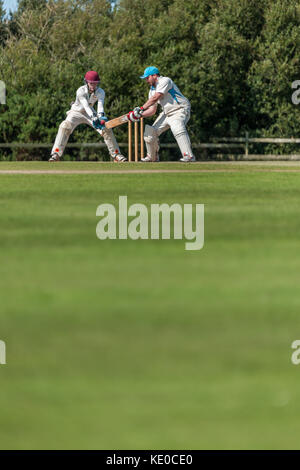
175,115
82,112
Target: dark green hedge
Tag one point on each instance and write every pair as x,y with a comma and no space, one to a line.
235,60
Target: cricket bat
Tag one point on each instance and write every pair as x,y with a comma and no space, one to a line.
116,122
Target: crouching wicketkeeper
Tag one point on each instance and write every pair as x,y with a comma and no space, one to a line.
83,112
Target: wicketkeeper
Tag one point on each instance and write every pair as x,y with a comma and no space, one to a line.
175,114
82,112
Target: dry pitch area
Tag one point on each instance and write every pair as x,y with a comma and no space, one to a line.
143,168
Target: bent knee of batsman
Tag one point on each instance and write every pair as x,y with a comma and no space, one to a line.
178,128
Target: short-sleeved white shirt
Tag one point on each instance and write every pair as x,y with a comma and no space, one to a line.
173,98
85,101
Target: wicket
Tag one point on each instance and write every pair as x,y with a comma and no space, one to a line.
136,140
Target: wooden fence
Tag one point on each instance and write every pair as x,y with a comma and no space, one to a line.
219,143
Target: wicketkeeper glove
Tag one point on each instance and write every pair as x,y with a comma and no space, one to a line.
103,120
96,123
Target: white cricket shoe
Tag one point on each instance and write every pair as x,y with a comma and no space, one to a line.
187,158
149,159
120,158
54,158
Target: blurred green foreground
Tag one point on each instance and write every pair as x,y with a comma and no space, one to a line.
123,344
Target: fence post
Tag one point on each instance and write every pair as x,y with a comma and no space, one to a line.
247,144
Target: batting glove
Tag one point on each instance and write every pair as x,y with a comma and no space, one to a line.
132,117
135,115
138,112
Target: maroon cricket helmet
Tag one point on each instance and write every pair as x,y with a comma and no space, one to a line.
92,76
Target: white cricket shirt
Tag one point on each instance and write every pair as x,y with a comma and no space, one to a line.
173,98
85,101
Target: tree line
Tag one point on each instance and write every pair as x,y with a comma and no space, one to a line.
234,59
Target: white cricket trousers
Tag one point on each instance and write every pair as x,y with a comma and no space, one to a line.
74,119
176,121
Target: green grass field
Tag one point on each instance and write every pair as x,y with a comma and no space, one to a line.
123,344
